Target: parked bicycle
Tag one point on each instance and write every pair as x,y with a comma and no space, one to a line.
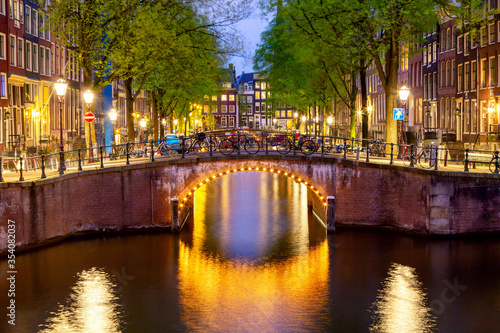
425,157
377,148
232,142
121,150
195,144
494,163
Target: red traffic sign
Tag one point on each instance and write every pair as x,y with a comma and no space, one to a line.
89,117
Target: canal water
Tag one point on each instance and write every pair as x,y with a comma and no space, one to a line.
255,260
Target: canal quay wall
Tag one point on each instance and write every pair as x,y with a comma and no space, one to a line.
139,196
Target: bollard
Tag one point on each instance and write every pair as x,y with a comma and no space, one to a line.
101,157
496,162
436,160
1,169
43,167
392,153
445,158
367,153
152,151
330,214
323,145
267,149
357,154
466,168
79,160
21,178
239,150
174,213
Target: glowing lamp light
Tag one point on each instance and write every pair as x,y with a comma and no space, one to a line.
403,93
88,96
329,120
175,122
143,122
491,109
113,114
303,118
61,86
296,114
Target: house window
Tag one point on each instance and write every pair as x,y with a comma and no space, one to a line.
453,38
429,54
16,13
47,61
232,109
467,77
214,98
484,68
223,98
27,17
20,47
466,44
460,47
467,117
28,55
493,71
484,36
42,26
231,121
35,57
443,73
257,95
42,60
223,121
425,87
473,83
257,107
12,50
249,109
447,73
2,46
453,72
205,108
434,52
460,78
448,39
257,85
3,85
223,108
231,98
34,22
2,7
263,94
214,108
492,33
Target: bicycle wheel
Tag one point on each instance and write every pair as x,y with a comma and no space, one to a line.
492,165
283,147
407,156
173,150
251,146
200,148
163,148
226,147
132,152
308,147
426,158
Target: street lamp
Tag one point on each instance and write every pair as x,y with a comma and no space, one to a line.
61,85
142,122
88,96
403,96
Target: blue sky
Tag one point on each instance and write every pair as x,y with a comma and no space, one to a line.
251,29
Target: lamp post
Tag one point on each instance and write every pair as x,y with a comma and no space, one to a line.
112,116
88,96
61,85
142,122
330,121
403,96
304,122
36,113
175,125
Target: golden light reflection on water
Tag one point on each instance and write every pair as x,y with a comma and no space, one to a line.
92,306
221,294
401,305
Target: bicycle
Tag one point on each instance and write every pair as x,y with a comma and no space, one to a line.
377,148
494,163
196,144
228,145
280,142
121,150
426,157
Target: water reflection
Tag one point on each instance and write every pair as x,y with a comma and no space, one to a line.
92,306
253,270
401,305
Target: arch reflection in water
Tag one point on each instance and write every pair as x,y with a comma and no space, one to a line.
92,306
401,305
249,265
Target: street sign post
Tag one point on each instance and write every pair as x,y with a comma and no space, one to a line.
89,117
399,114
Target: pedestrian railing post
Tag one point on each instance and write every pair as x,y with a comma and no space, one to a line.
102,158
322,145
127,152
152,151
183,141
1,169
210,144
345,148
79,159
466,167
61,163
294,146
21,178
267,148
496,162
412,164
368,153
239,150
392,153
436,158
43,167
357,153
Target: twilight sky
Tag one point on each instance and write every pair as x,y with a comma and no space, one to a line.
251,29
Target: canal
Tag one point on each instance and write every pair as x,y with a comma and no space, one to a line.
255,260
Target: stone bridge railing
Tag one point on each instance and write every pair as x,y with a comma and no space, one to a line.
138,196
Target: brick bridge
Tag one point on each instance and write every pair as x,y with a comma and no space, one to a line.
142,196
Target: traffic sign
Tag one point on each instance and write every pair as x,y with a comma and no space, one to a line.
89,117
399,114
